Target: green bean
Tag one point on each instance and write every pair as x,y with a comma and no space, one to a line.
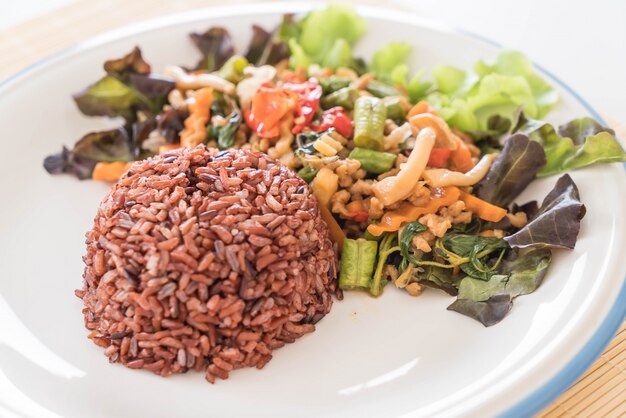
380,89
344,97
395,110
369,122
307,173
357,263
333,83
232,70
373,161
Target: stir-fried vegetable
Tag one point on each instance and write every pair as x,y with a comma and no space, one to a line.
373,161
357,263
369,122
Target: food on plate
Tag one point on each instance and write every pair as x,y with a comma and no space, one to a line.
417,180
207,260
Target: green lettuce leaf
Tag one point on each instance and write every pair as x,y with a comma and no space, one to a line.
514,63
578,143
322,28
469,101
325,37
127,88
386,59
108,97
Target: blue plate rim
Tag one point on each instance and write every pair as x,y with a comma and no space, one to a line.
592,349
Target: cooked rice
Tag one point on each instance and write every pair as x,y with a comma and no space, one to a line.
206,260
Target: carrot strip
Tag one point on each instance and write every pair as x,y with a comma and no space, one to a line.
393,220
199,114
168,147
421,107
461,157
484,210
104,171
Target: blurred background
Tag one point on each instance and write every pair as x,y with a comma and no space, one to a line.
581,42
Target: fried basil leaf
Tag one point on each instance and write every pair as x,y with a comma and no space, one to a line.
488,312
514,168
557,223
226,134
490,301
437,278
107,146
131,63
216,47
409,231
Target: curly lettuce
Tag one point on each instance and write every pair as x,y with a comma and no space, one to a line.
325,37
469,100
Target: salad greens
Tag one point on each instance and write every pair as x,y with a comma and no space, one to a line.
111,146
513,170
127,88
557,223
325,37
576,144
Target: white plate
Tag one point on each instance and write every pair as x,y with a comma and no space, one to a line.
390,356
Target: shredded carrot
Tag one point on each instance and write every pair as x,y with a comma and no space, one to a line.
355,206
489,233
104,171
393,220
199,114
421,107
461,157
168,147
484,210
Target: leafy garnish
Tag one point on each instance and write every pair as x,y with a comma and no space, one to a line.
578,143
108,146
131,63
107,97
468,101
266,48
515,64
127,88
325,37
216,47
512,171
557,223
